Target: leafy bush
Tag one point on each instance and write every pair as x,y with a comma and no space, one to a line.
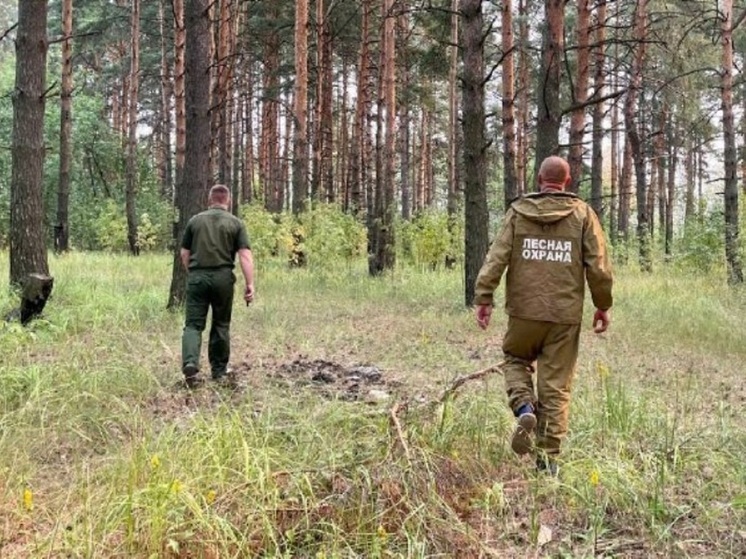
327,233
427,240
323,234
269,234
701,246
109,229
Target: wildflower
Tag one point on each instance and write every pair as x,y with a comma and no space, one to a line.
155,462
381,532
28,499
594,478
176,486
210,497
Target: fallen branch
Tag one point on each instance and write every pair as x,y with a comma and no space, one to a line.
460,381
396,424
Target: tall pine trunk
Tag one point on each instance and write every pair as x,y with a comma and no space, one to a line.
28,251
383,255
597,158
404,112
300,116
192,191
357,177
730,159
166,124
131,170
523,128
580,95
453,136
61,229
548,94
179,96
634,139
476,214
510,186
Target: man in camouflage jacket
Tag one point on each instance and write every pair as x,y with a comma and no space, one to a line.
551,243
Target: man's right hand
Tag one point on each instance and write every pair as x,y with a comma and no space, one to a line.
248,294
601,320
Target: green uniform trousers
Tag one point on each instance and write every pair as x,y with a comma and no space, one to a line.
206,289
554,349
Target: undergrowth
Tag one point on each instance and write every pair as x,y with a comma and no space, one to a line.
104,454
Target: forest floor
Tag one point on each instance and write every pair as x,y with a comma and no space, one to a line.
332,438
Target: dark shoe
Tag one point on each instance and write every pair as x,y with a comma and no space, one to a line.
522,443
547,465
191,375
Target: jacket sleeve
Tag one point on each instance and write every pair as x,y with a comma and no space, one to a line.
596,262
497,260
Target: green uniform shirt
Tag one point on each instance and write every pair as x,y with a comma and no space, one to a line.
213,237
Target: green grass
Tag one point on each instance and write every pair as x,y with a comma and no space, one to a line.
103,454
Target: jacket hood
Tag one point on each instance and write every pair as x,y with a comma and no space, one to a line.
543,207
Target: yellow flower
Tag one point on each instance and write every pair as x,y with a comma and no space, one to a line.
155,462
210,497
382,532
594,478
28,499
176,486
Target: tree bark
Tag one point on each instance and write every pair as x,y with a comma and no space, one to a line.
166,124
634,139
475,178
730,159
248,176
300,118
222,97
28,252
61,229
269,148
192,192
510,186
580,95
453,151
357,175
597,158
327,118
404,112
548,94
523,96
179,98
131,171
384,254
625,185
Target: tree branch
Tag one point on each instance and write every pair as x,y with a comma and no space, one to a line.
8,31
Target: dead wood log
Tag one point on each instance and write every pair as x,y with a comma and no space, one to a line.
36,291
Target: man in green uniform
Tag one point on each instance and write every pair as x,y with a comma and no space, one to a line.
211,241
551,243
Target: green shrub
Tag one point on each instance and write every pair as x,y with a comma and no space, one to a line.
700,247
327,233
428,241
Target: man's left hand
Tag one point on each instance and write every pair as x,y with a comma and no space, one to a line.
483,313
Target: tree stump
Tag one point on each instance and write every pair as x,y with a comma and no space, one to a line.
36,290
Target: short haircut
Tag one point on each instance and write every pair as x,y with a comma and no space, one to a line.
219,194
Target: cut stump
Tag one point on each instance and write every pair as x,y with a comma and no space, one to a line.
36,290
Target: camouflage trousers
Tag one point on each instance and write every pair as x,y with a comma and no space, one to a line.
208,289
551,350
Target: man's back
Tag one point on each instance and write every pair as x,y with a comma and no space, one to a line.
213,238
550,243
